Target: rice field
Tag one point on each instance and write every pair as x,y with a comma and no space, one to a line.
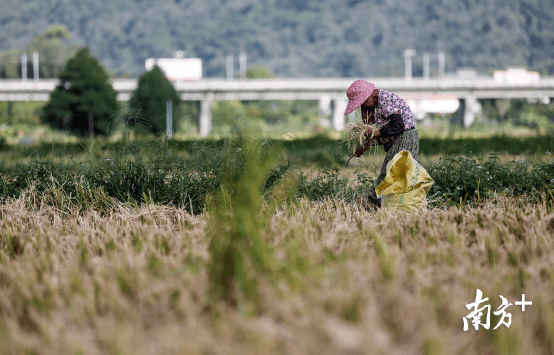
342,280
117,255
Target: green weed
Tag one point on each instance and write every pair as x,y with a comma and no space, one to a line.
235,216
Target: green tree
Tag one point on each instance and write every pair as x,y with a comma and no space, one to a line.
10,62
54,50
149,101
259,72
84,102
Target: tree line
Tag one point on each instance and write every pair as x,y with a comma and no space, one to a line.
85,103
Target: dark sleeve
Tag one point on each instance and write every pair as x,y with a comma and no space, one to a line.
394,127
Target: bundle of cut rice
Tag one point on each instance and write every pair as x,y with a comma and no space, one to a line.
356,134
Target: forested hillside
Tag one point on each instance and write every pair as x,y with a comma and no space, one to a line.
296,38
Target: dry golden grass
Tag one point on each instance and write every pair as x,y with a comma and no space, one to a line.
355,132
134,281
356,135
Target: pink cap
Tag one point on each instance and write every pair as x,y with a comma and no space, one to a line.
357,93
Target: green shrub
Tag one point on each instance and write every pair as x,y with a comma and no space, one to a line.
239,254
83,92
468,179
149,102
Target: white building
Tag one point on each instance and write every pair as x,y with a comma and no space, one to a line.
178,69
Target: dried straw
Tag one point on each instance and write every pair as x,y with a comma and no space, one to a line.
356,135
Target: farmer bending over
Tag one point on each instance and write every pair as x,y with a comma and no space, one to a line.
394,120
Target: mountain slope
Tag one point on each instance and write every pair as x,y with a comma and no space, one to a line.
297,38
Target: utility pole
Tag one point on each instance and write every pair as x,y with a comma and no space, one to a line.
426,66
408,54
169,118
230,67
242,64
442,64
35,66
24,67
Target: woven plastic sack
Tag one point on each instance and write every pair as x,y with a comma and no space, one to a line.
406,184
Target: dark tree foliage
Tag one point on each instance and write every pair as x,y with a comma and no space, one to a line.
149,102
84,92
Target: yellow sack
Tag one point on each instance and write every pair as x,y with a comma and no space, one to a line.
406,184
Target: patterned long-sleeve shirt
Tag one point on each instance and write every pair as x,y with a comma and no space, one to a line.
389,103
391,124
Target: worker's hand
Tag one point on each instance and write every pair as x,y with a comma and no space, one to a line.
372,132
359,151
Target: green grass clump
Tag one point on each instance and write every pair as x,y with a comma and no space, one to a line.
460,179
239,255
328,183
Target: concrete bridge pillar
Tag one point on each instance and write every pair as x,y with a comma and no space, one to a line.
205,117
470,110
325,105
339,107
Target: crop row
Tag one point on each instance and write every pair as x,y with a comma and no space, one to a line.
159,177
321,151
